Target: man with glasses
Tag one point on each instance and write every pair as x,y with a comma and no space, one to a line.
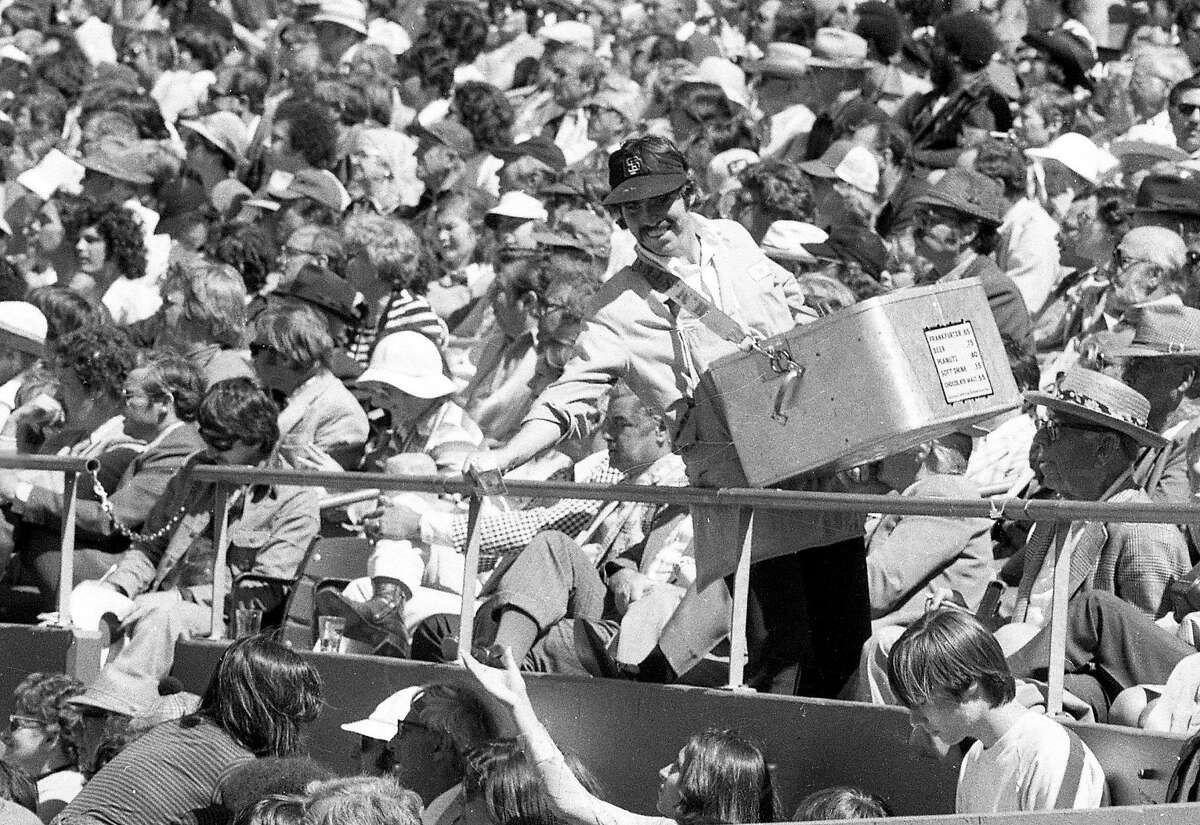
43,738
166,575
1183,108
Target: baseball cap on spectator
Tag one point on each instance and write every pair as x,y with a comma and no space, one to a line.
725,74
881,26
410,362
1068,53
449,133
569,33
325,291
224,130
855,243
848,162
319,185
22,327
1079,154
516,205
124,697
635,175
123,163
970,37
724,168
838,47
783,60
349,13
790,241
538,147
384,721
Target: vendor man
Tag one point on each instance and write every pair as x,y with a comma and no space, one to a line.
654,326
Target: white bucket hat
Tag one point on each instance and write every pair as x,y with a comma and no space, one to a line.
409,362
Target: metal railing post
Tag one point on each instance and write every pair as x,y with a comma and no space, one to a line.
1058,620
221,545
470,585
739,654
66,566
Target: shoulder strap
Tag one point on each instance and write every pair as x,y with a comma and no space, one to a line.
678,294
1073,775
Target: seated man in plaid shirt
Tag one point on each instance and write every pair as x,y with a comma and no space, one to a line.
407,584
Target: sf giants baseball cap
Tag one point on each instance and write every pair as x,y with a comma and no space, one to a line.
635,174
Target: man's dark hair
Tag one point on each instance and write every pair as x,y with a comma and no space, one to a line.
122,233
969,36
261,692
945,652
461,26
248,249
841,802
782,190
205,43
100,356
169,374
237,408
485,112
1186,85
311,131
65,310
44,697
1003,162
431,63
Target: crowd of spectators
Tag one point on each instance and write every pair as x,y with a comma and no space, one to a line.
429,238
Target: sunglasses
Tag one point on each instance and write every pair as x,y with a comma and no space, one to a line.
1187,109
220,442
15,722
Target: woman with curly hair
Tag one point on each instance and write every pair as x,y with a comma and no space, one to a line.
111,251
486,113
42,739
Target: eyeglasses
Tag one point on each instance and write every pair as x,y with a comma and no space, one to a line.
135,398
221,442
15,722
1052,429
1121,261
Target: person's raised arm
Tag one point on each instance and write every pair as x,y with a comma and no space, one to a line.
571,800
534,436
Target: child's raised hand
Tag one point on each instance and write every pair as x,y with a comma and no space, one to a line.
506,685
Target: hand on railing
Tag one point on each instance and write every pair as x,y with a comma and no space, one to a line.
392,520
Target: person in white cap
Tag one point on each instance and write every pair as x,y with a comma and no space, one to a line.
341,25
845,181
419,736
22,337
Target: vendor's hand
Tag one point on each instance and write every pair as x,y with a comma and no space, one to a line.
627,587
393,521
507,686
312,457
482,461
147,602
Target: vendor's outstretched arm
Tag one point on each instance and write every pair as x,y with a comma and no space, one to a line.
570,799
533,437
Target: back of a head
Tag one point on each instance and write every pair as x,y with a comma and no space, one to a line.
362,800
261,693
841,802
969,36
268,777
1160,246
945,653
214,301
724,777
238,408
457,714
297,334
501,776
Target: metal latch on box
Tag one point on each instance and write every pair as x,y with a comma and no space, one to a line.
782,363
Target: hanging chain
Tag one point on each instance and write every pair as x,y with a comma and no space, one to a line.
133,536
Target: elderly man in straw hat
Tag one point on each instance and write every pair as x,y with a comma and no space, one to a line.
957,221
1092,433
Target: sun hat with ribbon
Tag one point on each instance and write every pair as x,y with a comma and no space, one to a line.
1162,331
1100,399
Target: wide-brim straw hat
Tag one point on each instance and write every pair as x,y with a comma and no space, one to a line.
1100,399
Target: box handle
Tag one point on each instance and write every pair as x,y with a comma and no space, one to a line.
785,398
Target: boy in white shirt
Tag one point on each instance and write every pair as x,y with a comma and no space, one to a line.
950,672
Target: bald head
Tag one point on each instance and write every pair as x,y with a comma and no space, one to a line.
1155,244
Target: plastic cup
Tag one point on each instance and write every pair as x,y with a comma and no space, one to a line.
329,633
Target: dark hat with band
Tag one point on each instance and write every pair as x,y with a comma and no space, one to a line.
635,175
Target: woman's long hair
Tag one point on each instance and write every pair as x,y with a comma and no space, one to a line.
261,693
724,778
501,775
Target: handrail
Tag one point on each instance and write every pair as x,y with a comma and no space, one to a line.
48,463
995,507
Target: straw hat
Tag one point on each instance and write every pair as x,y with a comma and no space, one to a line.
223,130
783,60
1162,331
1100,399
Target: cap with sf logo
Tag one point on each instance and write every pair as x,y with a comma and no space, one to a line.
635,174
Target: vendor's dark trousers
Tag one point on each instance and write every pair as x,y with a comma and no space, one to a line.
809,615
1110,637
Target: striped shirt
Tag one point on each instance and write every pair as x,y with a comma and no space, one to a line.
399,312
172,774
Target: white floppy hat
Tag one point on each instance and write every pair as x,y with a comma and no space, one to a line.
515,204
1079,154
409,362
349,13
22,326
848,162
724,73
384,721
786,240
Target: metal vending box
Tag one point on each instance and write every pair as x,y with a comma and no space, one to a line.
867,381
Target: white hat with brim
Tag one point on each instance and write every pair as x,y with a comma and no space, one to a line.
786,241
384,721
23,326
224,130
410,362
1079,154
349,13
783,60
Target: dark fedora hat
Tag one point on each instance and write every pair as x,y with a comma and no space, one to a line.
1172,193
1066,51
967,191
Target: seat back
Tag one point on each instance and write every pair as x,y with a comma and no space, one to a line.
343,557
